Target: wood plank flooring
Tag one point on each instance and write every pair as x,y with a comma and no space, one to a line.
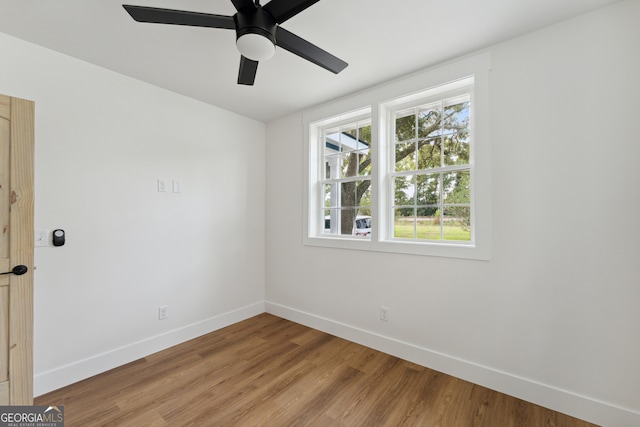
267,371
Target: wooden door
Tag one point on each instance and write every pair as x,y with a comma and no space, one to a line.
16,248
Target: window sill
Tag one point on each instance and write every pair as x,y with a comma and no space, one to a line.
446,250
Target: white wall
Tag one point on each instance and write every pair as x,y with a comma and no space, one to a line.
102,141
553,317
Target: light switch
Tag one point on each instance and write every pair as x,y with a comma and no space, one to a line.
177,187
41,238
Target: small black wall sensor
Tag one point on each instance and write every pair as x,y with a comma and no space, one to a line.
58,237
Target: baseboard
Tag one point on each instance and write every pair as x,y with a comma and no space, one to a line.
54,379
559,400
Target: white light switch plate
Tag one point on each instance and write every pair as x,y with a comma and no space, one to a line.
41,237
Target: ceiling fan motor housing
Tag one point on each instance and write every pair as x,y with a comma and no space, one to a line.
255,21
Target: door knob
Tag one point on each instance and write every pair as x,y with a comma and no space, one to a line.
18,270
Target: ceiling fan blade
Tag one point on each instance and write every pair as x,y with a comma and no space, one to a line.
179,17
241,4
299,46
247,73
285,9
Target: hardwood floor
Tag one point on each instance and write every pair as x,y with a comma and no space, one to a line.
267,371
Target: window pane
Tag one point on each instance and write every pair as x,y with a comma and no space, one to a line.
348,137
428,225
404,189
405,125
364,135
332,142
330,196
428,189
427,213
331,166
457,223
404,223
365,211
330,221
364,190
348,194
349,165
429,121
456,149
457,189
429,153
362,226
456,117
347,221
364,162
405,159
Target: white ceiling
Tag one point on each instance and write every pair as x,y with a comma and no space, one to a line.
380,39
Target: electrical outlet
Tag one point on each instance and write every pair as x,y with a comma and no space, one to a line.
162,312
162,185
384,313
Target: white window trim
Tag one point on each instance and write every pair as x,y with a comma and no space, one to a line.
320,140
379,101
314,163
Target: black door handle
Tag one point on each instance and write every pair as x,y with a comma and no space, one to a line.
18,270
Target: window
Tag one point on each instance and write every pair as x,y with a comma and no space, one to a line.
346,182
404,167
431,171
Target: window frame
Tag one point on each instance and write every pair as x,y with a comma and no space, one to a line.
458,89
379,102
322,180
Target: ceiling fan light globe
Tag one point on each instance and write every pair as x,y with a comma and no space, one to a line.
255,47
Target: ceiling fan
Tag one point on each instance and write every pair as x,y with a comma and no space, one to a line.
258,31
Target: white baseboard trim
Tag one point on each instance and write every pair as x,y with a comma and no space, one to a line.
47,381
559,400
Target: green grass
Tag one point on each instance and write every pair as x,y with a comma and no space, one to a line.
431,231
